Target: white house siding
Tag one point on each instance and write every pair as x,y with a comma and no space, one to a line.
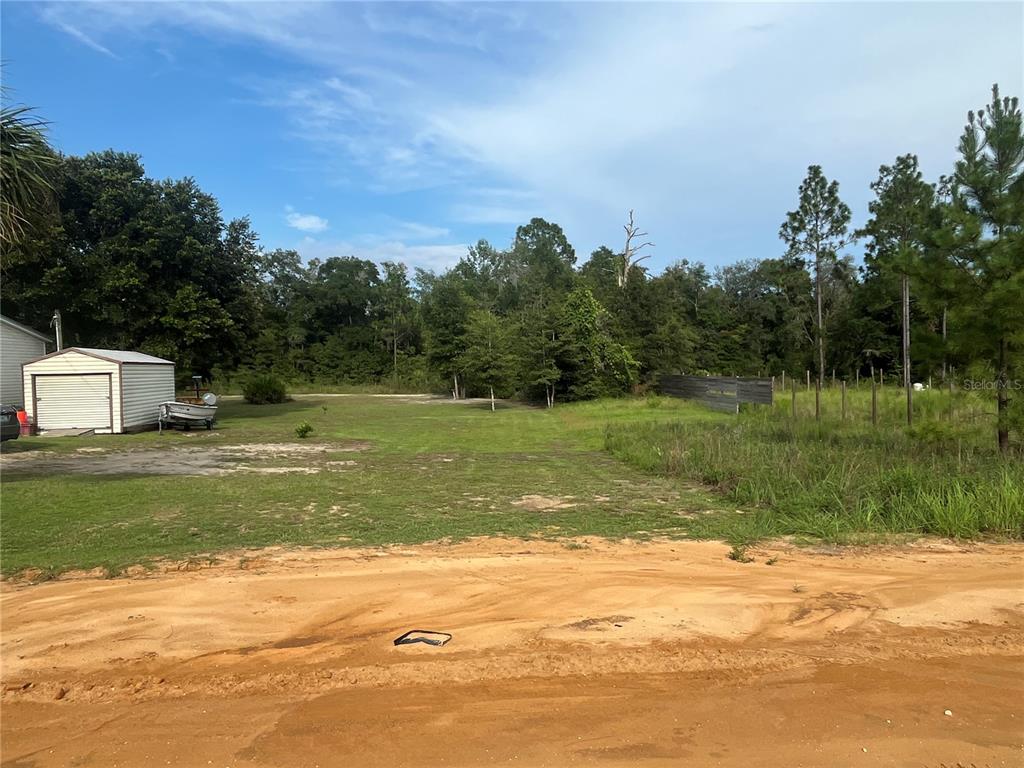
145,387
68,364
16,347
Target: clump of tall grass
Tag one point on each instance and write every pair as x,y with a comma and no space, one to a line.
833,479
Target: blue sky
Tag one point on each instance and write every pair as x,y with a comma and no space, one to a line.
407,131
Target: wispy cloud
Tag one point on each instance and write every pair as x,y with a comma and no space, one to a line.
594,134
489,205
411,22
341,120
397,240
385,67
412,230
83,38
687,112
304,222
434,258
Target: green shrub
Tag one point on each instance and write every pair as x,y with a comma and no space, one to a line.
264,389
305,429
739,554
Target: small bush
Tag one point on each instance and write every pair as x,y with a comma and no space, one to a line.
304,430
262,390
739,554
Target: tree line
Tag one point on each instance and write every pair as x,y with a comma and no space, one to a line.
138,263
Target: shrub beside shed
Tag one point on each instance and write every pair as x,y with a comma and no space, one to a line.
106,390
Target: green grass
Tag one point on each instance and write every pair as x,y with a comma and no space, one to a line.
437,470
432,471
842,480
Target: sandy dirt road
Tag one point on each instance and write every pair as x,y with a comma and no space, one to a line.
616,654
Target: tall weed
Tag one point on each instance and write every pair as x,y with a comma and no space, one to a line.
837,479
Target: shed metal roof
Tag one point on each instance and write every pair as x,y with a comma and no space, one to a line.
120,356
110,355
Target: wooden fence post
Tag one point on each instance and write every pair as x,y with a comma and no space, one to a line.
794,400
856,383
783,381
833,378
874,404
808,381
910,402
817,400
843,385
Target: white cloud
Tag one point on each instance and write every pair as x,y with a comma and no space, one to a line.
397,241
489,205
384,68
435,258
279,24
304,222
705,117
83,38
412,230
702,117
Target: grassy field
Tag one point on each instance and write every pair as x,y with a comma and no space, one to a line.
839,479
380,470
429,470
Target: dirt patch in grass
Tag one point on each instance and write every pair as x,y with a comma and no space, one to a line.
537,503
291,449
274,470
258,458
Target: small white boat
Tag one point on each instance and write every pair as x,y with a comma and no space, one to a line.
189,414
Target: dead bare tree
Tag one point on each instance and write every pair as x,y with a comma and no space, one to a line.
629,257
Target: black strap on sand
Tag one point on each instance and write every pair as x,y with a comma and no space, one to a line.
423,636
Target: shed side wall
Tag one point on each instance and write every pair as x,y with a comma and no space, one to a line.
145,387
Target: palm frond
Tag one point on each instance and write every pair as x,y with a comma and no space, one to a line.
26,165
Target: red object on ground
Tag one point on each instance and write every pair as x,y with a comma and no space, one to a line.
26,425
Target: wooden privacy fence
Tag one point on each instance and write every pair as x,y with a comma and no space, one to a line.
721,393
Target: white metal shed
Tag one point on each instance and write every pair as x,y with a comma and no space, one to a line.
106,390
18,344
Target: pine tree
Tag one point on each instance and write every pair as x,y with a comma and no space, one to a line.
818,229
979,246
897,231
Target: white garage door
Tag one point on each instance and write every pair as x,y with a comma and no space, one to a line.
79,401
